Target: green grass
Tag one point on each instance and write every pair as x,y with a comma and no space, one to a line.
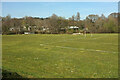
61,56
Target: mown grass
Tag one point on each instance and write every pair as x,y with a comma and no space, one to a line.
61,56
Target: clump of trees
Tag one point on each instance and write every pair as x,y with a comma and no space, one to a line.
57,24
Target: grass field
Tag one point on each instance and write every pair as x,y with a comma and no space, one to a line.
61,56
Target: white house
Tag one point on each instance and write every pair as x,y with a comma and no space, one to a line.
12,29
29,33
73,27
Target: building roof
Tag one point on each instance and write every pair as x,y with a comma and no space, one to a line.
73,27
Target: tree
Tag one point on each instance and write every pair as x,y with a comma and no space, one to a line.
90,22
114,15
53,24
78,16
6,24
73,17
54,16
100,23
93,18
103,17
0,25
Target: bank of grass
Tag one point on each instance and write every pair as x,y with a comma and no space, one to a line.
61,55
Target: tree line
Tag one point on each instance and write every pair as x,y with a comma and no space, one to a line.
60,25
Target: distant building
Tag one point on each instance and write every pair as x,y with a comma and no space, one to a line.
29,33
29,28
12,29
73,27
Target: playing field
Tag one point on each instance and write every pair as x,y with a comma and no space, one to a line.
61,55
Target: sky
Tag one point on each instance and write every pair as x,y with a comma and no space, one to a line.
64,9
59,0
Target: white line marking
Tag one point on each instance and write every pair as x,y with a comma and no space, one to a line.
81,49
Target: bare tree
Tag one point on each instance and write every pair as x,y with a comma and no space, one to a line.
78,16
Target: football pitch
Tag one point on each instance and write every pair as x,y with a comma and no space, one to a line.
61,55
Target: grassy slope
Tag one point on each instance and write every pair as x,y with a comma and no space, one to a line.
65,56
